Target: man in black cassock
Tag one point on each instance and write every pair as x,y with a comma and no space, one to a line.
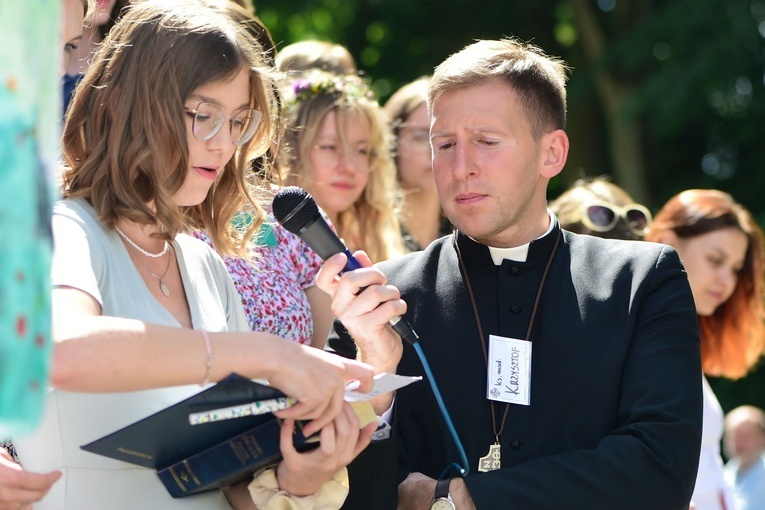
569,364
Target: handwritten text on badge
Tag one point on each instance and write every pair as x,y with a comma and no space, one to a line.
509,371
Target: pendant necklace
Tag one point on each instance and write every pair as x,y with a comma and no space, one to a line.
162,285
492,460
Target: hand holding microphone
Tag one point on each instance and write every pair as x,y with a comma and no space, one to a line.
296,211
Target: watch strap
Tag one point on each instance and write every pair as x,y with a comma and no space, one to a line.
442,489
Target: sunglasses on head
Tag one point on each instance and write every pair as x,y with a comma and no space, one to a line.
603,217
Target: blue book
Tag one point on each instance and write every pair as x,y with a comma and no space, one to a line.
229,462
215,438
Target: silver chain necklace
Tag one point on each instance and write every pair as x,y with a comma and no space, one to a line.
162,285
147,253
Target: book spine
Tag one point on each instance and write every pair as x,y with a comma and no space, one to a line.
224,463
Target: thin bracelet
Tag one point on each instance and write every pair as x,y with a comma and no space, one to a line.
208,362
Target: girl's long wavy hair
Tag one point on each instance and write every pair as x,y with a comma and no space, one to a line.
371,223
732,338
125,139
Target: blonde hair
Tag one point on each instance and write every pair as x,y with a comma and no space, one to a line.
125,139
538,79
87,8
569,206
305,56
245,4
371,223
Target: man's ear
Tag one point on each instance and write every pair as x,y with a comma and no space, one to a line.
554,153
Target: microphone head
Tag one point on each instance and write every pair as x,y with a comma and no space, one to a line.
294,208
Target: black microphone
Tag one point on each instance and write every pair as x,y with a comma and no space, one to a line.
295,209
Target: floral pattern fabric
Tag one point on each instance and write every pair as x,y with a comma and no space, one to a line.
272,285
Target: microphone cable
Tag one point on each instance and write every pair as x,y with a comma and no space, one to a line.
463,471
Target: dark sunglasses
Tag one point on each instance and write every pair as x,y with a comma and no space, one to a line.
603,217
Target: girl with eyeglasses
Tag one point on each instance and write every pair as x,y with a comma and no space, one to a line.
422,219
721,247
174,105
337,147
277,281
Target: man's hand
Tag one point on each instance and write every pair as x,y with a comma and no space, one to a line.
19,488
364,303
416,493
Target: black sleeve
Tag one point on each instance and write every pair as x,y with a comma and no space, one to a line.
340,342
373,477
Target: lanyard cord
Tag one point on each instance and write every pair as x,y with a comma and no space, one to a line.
496,432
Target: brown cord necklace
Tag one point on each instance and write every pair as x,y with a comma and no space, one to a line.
491,461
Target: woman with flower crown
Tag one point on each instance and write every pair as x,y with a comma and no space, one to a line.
337,147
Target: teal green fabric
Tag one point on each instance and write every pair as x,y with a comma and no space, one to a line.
29,132
264,237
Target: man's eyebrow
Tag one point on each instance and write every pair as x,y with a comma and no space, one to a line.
476,130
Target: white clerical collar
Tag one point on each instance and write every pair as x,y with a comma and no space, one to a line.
518,253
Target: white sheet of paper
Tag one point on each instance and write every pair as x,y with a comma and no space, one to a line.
383,383
508,377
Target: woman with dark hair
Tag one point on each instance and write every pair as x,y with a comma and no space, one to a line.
722,250
175,104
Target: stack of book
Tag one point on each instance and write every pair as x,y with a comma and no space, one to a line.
221,435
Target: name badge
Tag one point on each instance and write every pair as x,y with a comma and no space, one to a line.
509,374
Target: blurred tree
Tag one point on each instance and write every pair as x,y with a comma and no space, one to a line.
665,94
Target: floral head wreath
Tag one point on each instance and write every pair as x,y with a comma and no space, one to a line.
329,84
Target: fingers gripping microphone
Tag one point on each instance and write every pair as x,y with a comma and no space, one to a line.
296,210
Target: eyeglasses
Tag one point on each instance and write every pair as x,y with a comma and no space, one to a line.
332,154
602,217
208,118
418,138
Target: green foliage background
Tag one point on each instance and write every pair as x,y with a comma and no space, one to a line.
665,95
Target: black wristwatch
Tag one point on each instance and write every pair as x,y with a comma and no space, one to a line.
442,500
